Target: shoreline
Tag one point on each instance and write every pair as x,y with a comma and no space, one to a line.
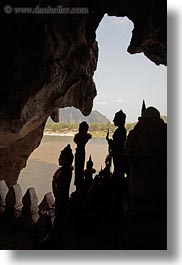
97,134
58,134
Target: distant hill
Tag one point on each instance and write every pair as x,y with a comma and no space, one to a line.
73,115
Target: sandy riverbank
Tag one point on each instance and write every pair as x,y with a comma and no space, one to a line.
97,134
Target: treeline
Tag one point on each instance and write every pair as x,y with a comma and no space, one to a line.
93,127
96,129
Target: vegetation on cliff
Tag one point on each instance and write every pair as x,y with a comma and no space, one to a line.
71,117
97,130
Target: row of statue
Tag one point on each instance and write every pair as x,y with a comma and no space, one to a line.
123,206
83,178
134,157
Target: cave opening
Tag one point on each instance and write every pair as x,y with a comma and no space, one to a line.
117,77
124,73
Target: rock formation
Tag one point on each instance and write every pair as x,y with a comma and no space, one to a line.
3,193
47,210
13,202
48,61
30,210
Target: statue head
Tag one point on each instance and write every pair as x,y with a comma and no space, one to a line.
89,163
83,127
66,156
119,118
151,112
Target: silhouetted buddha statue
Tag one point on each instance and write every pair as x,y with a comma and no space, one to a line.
62,178
116,145
61,185
81,138
146,150
88,173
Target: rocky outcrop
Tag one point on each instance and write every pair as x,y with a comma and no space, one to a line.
48,61
30,210
13,157
3,193
25,210
24,223
13,202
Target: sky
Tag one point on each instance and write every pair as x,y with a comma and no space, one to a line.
124,80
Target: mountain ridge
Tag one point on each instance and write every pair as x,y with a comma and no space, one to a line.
73,115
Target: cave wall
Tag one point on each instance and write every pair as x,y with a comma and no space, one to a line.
48,61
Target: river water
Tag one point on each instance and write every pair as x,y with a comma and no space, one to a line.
43,162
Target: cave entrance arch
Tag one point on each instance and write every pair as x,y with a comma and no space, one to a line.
122,79
117,72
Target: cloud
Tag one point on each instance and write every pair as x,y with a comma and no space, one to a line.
101,103
118,20
120,100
